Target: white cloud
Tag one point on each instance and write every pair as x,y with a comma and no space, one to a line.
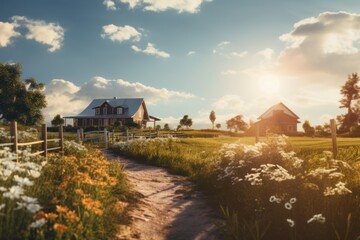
110,5
223,43
239,54
65,98
229,72
191,53
50,34
7,32
324,44
230,103
151,50
132,3
267,53
120,33
190,6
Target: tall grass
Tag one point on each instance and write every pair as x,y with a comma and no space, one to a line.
266,190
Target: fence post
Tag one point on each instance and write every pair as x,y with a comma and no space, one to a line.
44,138
61,137
333,136
78,137
256,133
14,135
157,133
127,135
106,138
113,136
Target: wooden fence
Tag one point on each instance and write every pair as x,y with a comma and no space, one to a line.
15,144
105,137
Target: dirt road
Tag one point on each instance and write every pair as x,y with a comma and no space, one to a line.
169,208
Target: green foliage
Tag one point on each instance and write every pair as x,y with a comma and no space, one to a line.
237,123
350,93
212,118
308,129
21,101
186,121
57,121
218,125
166,127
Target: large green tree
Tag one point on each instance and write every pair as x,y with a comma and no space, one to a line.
212,118
186,121
308,129
237,123
350,93
21,101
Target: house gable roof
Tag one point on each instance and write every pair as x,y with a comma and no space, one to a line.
280,106
131,104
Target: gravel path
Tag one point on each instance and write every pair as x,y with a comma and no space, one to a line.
169,208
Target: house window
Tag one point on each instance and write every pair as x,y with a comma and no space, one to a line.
105,111
91,122
97,111
119,111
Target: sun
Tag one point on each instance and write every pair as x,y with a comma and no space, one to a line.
269,84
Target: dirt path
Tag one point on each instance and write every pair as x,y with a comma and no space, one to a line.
169,208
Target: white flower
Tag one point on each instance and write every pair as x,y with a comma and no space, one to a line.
29,199
23,181
34,173
292,200
14,192
2,189
317,218
2,206
339,189
291,222
288,206
38,223
33,207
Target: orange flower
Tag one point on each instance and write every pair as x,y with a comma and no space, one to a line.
51,216
61,209
60,227
55,200
79,191
71,216
40,215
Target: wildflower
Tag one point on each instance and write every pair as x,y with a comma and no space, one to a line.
51,216
71,216
61,209
2,189
33,207
38,223
291,222
2,206
339,189
292,200
328,154
60,227
288,206
29,199
317,218
14,192
79,192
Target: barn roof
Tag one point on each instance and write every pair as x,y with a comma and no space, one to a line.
131,104
276,107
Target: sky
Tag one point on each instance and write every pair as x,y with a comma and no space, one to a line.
187,56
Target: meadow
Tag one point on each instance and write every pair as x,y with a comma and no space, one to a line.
73,195
280,188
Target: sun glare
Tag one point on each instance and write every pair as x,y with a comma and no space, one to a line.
269,84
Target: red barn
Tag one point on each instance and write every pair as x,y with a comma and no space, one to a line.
278,119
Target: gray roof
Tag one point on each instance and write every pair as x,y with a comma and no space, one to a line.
131,104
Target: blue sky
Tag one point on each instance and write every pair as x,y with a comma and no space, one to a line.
187,56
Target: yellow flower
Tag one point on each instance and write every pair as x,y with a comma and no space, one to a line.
60,227
61,209
79,191
72,217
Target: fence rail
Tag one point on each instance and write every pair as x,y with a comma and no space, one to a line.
105,137
44,141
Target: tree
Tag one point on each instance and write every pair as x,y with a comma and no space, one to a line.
186,121
350,92
21,101
166,127
237,123
212,118
218,125
57,121
308,129
158,127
